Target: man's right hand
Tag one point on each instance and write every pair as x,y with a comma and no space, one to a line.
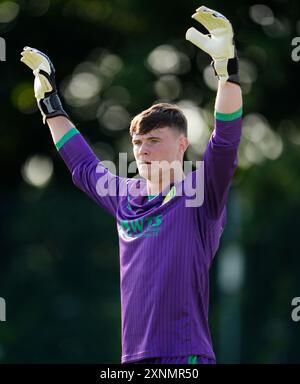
44,83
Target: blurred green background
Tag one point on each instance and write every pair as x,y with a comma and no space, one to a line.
59,266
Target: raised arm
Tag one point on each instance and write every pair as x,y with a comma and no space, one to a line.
229,98
220,156
88,173
59,126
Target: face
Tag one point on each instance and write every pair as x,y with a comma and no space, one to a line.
159,152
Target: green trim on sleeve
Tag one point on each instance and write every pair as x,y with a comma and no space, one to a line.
66,137
229,116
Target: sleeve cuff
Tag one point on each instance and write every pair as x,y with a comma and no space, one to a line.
66,137
229,116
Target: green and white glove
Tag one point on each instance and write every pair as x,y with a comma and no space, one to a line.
45,89
219,43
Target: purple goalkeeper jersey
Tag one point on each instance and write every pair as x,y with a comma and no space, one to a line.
166,247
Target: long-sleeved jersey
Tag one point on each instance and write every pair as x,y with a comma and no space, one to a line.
166,245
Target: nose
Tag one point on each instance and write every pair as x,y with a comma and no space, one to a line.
143,149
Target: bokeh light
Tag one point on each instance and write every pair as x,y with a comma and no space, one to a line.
166,59
9,10
37,171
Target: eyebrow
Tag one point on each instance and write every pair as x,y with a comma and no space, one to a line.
148,138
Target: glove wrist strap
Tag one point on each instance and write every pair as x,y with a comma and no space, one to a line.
232,69
50,106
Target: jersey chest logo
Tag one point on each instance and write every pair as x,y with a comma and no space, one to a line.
143,227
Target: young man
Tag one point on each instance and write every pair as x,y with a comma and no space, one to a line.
166,246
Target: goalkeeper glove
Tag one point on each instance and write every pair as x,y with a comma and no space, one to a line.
219,43
45,89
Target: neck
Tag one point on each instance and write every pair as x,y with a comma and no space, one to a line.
154,188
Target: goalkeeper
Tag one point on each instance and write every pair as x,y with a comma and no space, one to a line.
166,248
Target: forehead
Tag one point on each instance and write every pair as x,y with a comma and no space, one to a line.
158,132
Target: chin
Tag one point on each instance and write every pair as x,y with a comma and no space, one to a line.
146,173
143,172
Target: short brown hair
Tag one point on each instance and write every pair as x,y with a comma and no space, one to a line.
159,116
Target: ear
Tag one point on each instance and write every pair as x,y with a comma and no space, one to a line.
184,143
